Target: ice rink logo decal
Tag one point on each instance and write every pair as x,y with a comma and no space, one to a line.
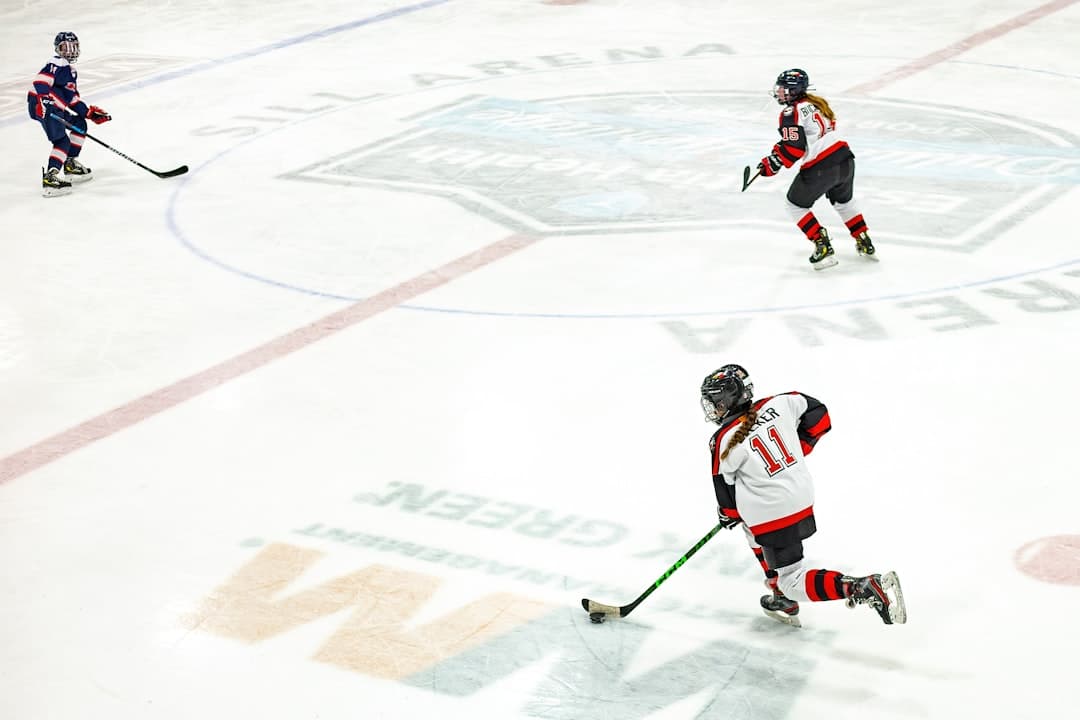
952,178
466,649
372,641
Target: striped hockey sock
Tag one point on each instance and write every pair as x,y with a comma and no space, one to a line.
810,226
760,555
824,585
58,155
856,225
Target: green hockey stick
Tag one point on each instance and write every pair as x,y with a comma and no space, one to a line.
598,611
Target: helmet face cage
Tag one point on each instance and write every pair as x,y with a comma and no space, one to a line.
67,46
724,391
790,86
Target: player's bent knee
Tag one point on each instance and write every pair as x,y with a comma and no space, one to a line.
783,556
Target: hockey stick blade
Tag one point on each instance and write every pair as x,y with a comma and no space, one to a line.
746,179
171,173
591,606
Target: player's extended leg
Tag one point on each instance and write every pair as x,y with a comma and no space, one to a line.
801,197
842,197
817,585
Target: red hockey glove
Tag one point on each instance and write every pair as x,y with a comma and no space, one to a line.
43,104
97,115
770,165
726,520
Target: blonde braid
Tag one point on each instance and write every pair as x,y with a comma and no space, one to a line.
820,103
741,433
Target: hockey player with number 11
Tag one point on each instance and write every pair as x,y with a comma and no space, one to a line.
55,92
761,482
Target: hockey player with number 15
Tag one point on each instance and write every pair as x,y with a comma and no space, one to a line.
808,134
55,92
761,482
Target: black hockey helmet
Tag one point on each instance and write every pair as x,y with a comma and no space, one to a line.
725,392
790,86
66,45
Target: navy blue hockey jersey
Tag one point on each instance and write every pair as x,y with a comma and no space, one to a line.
57,80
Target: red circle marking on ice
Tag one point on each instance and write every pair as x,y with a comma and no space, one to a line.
1053,559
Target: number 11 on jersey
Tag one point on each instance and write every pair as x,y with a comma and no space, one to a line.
772,466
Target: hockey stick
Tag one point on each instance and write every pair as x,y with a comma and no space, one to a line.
597,611
746,179
168,174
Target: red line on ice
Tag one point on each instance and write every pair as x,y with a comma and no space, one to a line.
112,421
960,47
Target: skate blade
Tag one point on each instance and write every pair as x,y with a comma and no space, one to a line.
871,258
78,178
826,263
897,608
55,192
792,620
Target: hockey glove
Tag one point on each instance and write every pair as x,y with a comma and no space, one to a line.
727,521
97,115
43,104
770,165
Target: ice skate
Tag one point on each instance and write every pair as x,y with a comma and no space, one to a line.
864,246
52,185
780,607
824,256
873,590
75,171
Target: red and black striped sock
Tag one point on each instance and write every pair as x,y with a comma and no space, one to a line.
760,555
856,225
824,585
810,226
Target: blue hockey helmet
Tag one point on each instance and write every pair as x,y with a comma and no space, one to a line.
67,46
725,392
790,86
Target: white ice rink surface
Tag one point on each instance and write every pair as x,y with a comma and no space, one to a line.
344,422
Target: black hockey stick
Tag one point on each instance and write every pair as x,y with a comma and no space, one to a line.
168,174
597,611
746,179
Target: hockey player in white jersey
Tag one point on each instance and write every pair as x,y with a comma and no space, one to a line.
808,134
761,482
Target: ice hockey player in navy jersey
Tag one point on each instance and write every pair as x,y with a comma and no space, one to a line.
55,92
761,482
808,134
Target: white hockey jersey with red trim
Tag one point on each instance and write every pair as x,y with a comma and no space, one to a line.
807,135
773,488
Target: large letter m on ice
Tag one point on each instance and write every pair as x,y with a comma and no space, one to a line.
486,640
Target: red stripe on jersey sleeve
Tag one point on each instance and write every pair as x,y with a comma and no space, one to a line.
821,427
